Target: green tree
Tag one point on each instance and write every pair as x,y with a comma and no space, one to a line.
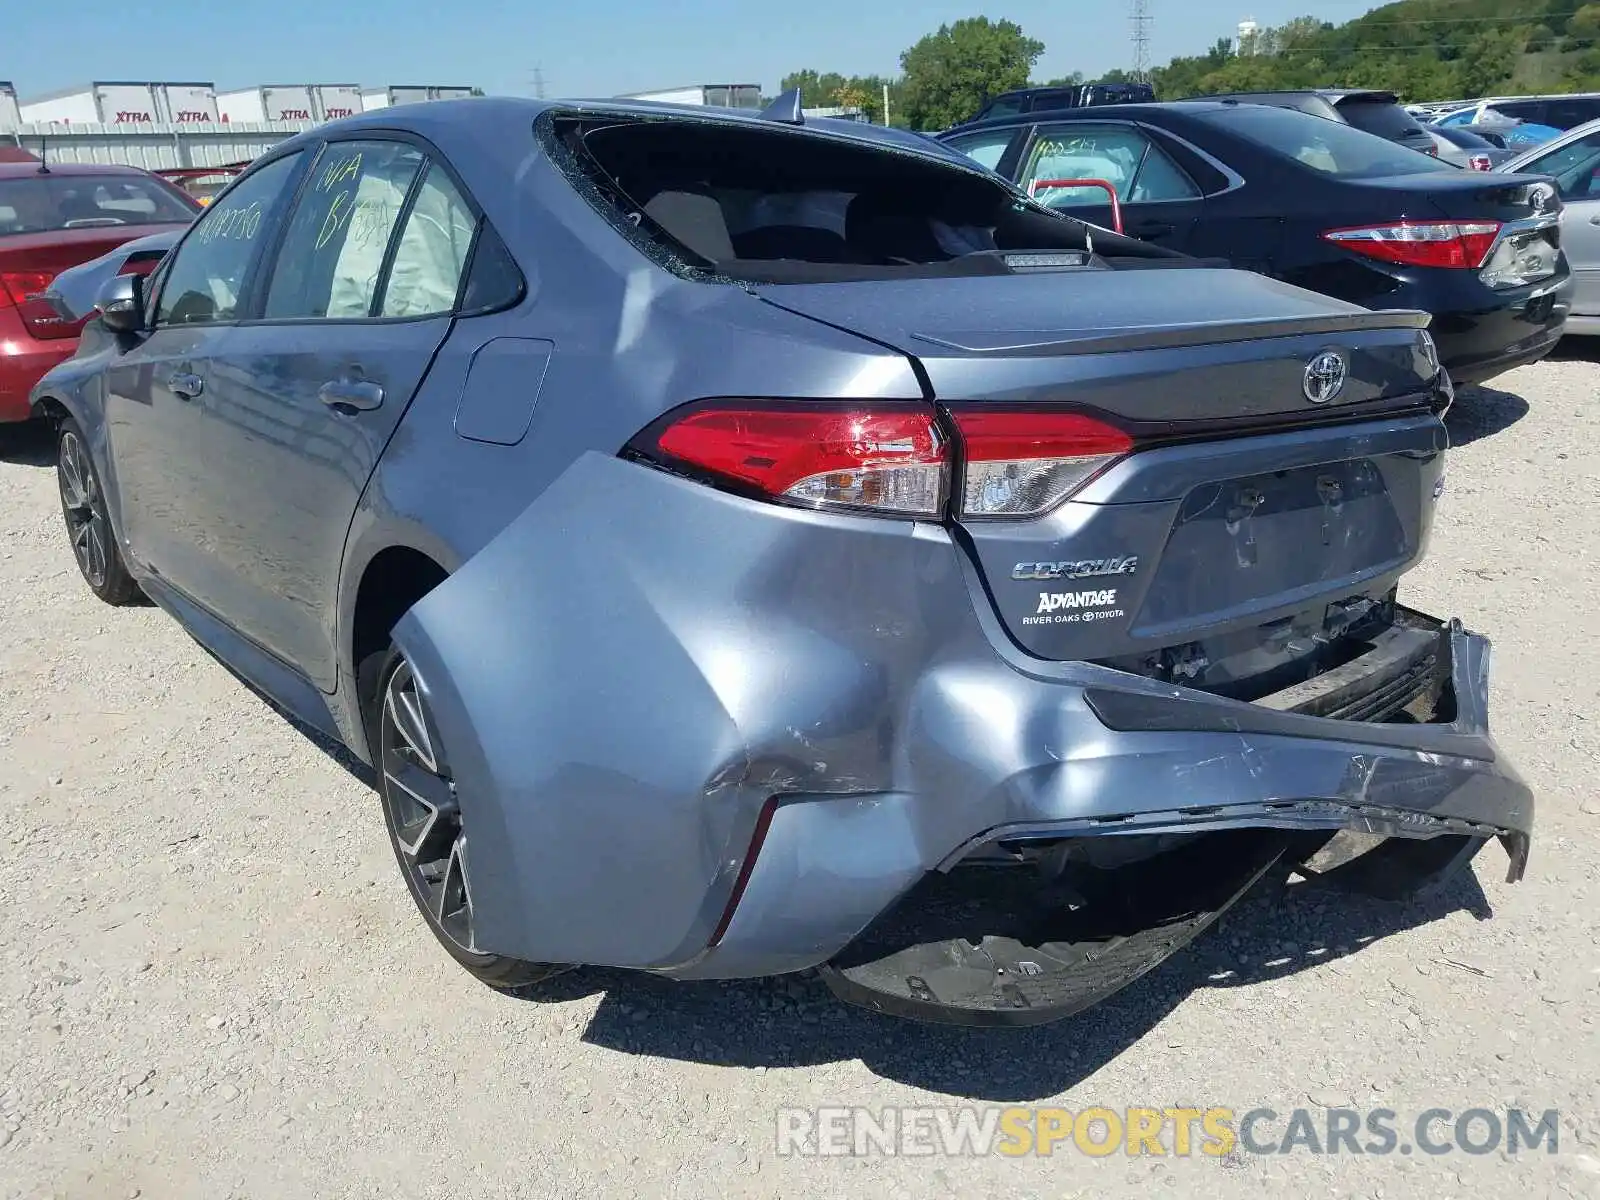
949,73
1584,24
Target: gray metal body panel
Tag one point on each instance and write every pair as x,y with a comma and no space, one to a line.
627,666
1580,225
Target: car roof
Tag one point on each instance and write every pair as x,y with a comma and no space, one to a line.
1334,95
23,170
489,120
1097,112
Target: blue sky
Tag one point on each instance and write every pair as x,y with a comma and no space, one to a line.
589,48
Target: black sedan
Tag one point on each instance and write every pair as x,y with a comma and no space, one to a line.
1313,202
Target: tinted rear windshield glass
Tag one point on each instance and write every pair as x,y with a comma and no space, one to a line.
1464,138
40,204
1323,145
1382,118
741,202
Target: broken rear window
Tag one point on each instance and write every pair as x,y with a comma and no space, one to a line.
738,201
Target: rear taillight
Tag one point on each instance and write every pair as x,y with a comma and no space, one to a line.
18,287
888,459
1462,245
1480,162
1020,464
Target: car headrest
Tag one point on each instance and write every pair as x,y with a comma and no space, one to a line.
695,220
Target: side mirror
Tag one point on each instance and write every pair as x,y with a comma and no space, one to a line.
121,303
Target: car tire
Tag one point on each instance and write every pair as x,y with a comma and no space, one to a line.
424,821
88,520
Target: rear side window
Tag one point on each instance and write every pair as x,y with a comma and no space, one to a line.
331,260
1382,118
42,204
432,255
1007,107
1329,147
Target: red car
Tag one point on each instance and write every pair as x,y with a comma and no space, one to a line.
52,218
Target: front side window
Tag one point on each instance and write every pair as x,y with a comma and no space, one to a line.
432,255
1572,166
206,275
331,261
1119,154
1571,112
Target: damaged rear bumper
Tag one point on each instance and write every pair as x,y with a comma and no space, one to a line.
731,758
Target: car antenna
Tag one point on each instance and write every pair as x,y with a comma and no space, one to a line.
786,108
44,155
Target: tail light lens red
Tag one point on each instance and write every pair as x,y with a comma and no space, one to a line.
889,459
1460,245
18,287
1480,162
1020,464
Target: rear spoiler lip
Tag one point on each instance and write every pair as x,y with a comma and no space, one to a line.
1164,337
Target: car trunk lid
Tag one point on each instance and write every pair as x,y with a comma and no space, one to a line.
1261,512
29,262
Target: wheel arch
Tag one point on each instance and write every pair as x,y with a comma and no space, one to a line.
380,589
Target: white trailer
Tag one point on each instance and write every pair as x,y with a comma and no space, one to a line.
269,102
124,103
718,95
410,94
290,102
330,101
9,116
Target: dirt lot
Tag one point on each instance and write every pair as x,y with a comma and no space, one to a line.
213,984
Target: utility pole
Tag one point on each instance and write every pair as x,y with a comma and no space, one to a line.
886,104
1141,22
538,83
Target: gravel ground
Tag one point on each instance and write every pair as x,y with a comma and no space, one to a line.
213,984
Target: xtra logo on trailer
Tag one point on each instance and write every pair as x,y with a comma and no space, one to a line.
335,113
294,114
133,118
192,116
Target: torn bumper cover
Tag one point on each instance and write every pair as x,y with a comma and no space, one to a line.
736,757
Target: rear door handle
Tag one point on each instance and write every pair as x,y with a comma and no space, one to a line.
1595,220
185,385
350,395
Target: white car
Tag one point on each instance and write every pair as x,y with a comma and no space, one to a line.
1573,162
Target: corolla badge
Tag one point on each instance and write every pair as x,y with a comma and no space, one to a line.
1324,377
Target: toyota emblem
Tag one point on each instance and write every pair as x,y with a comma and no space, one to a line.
1324,378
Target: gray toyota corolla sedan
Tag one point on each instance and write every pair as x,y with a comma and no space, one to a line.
743,545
